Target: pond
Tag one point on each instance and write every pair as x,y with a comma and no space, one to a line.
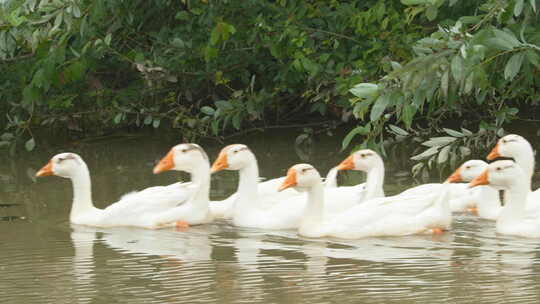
45,259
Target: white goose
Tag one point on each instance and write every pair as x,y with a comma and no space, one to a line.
175,159
150,208
253,209
370,162
516,147
513,218
521,151
482,200
385,216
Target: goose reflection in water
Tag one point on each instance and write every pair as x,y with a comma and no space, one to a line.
83,239
171,244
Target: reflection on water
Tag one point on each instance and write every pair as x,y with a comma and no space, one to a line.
44,259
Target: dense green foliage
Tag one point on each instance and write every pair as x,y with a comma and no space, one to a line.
211,67
204,66
481,65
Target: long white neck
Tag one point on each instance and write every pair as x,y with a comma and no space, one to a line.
487,201
200,176
82,192
515,201
313,219
247,188
375,181
525,159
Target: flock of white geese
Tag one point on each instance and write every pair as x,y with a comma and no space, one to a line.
302,201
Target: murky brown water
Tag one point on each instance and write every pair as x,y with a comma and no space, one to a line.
44,259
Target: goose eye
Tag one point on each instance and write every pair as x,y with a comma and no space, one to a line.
498,169
184,150
467,167
362,155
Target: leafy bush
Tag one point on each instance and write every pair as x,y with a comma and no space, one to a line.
482,69
205,67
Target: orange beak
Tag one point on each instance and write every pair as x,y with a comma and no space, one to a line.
455,177
347,164
221,162
46,170
481,179
166,163
290,180
494,153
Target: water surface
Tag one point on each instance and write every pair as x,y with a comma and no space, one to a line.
45,259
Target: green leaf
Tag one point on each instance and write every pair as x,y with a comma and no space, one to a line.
76,11
156,123
210,53
360,109
444,84
208,110
347,140
118,118
513,66
237,121
414,2
365,90
443,154
465,151
507,39
75,71
30,144
182,15
457,68
453,132
108,39
427,153
431,12
57,21
224,105
533,58
439,141
466,132
31,94
533,5
416,169
398,130
518,7
7,136
396,65
407,114
148,120
468,84
379,107
214,36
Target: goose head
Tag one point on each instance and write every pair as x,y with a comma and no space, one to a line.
182,157
500,174
301,177
63,165
511,145
363,160
233,157
467,171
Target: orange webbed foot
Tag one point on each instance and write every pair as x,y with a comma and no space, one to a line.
473,210
181,225
437,231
